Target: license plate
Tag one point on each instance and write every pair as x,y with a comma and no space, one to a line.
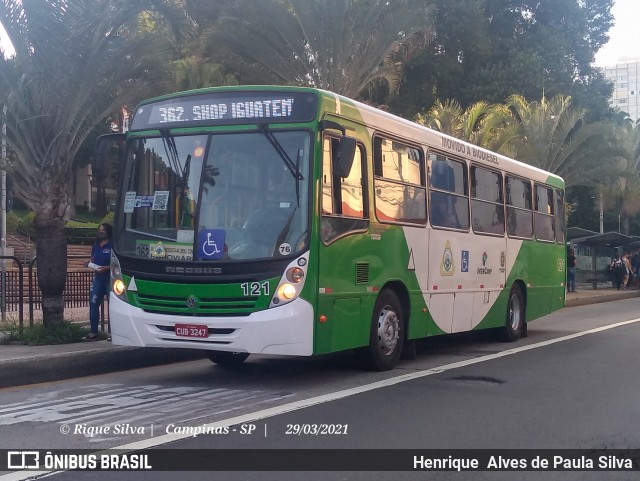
192,330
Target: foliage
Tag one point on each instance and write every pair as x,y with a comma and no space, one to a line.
108,218
548,134
25,224
12,222
40,335
489,126
75,63
342,45
487,50
557,137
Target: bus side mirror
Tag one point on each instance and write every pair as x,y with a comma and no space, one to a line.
100,159
342,158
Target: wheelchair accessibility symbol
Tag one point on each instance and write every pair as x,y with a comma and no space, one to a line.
211,244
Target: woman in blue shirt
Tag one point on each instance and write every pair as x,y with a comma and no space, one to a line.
100,262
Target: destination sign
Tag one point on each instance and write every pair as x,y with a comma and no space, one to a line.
218,108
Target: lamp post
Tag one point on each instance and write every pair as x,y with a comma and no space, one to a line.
3,212
601,214
601,202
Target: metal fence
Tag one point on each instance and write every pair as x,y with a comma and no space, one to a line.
18,289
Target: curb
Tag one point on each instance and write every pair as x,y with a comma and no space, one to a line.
55,367
596,298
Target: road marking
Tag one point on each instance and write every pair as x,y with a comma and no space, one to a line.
103,404
314,401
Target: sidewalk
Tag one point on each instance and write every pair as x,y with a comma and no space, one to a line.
21,365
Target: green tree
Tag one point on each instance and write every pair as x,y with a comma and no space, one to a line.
621,186
342,45
75,63
486,50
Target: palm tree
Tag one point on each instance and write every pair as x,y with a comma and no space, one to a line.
75,63
193,72
622,191
489,126
340,45
556,137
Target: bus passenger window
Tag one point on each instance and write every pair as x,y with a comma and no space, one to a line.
560,222
448,184
343,199
544,217
487,210
399,182
443,211
519,204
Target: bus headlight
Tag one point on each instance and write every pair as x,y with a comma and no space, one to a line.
117,282
286,292
118,287
292,281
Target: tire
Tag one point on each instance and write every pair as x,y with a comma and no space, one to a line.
514,327
224,358
387,335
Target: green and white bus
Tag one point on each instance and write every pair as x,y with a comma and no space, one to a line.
294,221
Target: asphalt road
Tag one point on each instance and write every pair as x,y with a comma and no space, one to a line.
571,384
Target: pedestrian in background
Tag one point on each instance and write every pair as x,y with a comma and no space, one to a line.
100,263
617,269
628,273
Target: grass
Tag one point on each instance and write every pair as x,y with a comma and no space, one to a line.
40,335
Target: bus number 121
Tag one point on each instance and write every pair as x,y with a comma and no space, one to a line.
255,288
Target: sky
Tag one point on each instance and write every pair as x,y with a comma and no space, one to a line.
624,36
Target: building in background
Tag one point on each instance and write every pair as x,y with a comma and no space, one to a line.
626,80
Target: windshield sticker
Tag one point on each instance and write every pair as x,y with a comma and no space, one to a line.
174,251
158,250
160,200
129,202
144,200
284,249
185,236
211,244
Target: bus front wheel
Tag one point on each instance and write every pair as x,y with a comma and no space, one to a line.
387,333
515,322
225,358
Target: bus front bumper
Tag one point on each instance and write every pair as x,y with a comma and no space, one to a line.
285,330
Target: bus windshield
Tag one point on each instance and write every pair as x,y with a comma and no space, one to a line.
219,197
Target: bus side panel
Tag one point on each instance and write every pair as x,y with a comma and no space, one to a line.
356,268
546,267
539,269
343,298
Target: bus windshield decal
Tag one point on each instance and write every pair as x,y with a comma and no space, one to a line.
226,108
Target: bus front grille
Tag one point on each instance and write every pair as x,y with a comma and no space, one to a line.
205,306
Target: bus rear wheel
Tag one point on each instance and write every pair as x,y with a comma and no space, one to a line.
225,358
387,333
515,320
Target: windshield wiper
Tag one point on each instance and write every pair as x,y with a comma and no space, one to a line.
281,152
172,151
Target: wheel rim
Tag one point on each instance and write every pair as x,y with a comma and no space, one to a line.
515,313
388,330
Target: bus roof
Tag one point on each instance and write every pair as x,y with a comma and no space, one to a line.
371,117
